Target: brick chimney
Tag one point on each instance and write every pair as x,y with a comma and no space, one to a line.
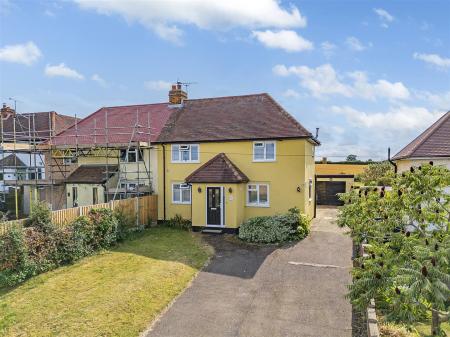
6,112
176,94
324,160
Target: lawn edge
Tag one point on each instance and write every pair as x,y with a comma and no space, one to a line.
211,253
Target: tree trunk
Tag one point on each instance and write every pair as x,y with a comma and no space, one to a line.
435,322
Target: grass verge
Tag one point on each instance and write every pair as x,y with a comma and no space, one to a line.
115,293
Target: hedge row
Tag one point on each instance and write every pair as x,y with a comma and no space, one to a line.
42,246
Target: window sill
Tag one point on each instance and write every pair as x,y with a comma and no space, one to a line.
258,205
264,161
180,203
186,162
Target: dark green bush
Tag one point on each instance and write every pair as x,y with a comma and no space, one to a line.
179,222
277,228
105,227
126,224
40,217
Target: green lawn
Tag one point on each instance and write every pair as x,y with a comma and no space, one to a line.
115,293
425,329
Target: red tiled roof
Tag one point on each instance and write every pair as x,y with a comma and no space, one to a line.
219,169
433,142
256,116
44,122
121,121
91,174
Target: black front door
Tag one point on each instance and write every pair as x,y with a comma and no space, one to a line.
213,206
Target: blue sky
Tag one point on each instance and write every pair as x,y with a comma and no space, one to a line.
369,74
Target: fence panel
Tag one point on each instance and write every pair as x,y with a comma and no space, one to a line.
145,207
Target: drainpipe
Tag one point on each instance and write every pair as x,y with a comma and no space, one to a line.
164,180
390,160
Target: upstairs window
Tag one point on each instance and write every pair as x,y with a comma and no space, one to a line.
264,151
185,153
131,155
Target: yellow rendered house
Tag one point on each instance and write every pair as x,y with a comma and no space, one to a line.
224,160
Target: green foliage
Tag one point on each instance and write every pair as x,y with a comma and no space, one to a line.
407,229
377,174
126,224
40,217
178,222
42,246
277,228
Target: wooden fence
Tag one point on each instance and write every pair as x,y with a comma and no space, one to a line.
145,209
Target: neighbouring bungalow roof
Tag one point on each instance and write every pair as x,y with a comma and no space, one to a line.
125,123
44,124
11,161
247,117
91,174
433,142
219,169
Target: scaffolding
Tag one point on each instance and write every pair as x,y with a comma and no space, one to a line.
62,152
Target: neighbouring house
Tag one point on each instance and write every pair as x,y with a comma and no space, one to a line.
333,178
21,137
431,145
107,156
224,160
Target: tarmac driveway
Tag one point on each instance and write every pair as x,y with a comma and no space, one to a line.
247,291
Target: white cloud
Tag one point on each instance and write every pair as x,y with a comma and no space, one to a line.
384,17
288,40
398,118
328,48
354,44
27,53
157,85
291,93
324,81
63,71
440,101
433,59
97,78
162,17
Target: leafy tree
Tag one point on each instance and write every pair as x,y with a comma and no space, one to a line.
351,158
407,230
377,174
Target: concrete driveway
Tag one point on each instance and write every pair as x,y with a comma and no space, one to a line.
296,290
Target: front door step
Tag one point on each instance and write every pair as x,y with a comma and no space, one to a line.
212,230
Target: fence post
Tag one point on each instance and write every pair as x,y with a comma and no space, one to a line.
80,213
136,209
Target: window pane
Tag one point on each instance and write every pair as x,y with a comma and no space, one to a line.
141,155
186,195
263,195
270,150
132,156
175,152
176,193
252,197
185,155
123,155
194,152
258,152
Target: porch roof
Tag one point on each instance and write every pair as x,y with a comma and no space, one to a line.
219,169
91,174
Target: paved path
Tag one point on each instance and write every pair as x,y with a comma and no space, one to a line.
268,292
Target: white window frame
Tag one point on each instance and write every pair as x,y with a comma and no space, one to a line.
265,151
182,186
133,150
258,203
189,146
310,189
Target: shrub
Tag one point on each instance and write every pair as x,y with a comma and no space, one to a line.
179,222
126,223
104,227
40,217
15,266
277,228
